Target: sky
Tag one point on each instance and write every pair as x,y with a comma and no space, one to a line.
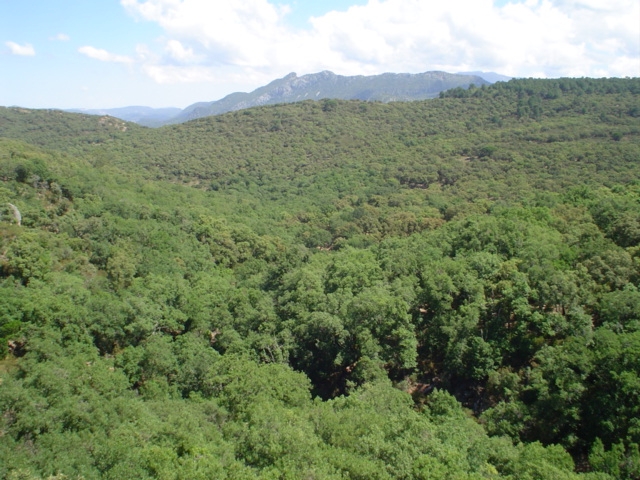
172,53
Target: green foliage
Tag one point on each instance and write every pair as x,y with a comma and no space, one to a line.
617,462
232,297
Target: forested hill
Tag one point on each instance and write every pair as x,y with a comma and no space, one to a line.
331,289
511,123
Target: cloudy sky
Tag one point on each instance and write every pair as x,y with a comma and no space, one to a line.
112,53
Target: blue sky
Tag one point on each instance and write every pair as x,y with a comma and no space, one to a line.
112,53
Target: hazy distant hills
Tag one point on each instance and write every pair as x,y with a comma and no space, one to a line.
490,77
147,116
387,87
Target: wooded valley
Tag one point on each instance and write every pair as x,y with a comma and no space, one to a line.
439,289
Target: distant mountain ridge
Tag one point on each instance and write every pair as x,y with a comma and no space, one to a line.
386,87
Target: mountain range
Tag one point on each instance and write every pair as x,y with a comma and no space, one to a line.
386,87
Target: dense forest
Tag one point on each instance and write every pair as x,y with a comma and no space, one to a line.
442,289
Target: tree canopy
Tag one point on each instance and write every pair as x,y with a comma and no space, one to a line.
437,289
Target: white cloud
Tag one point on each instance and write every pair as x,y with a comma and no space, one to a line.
24,50
61,37
179,52
103,55
235,32
250,39
170,74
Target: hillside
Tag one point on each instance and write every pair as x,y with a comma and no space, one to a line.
326,289
550,136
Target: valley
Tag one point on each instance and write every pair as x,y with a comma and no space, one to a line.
442,288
